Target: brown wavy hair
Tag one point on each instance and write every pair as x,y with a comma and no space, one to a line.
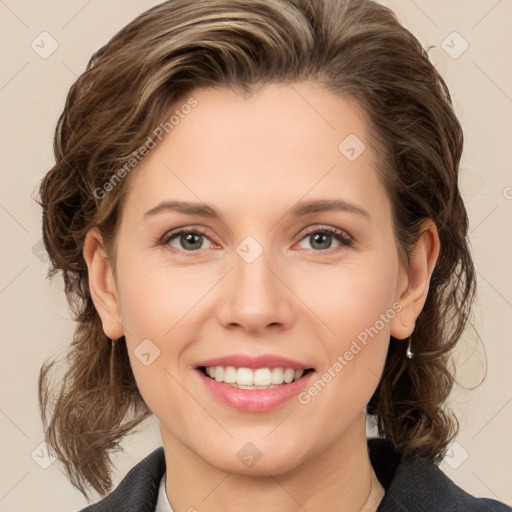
355,48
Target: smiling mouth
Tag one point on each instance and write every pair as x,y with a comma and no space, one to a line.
247,378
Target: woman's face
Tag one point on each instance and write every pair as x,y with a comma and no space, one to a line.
268,275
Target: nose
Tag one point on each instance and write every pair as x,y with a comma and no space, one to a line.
256,297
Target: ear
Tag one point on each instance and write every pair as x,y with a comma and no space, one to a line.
102,284
414,282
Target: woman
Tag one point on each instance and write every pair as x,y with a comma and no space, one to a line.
255,210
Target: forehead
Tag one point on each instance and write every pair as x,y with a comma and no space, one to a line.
284,143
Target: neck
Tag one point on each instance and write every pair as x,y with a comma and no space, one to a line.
339,479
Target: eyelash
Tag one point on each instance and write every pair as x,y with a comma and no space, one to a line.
341,236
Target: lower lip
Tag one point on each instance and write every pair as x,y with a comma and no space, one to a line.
255,400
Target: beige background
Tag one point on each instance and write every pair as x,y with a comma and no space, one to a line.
34,318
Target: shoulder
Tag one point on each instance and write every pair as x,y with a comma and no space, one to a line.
419,485
138,491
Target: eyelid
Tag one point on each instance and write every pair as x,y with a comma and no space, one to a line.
345,238
326,228
184,229
341,235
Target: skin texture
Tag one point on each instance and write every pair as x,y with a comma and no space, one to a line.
252,158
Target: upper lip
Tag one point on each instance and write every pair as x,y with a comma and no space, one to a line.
255,362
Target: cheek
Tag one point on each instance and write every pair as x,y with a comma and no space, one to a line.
151,306
153,313
153,299
357,304
352,298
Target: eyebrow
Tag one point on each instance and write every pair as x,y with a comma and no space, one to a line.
300,209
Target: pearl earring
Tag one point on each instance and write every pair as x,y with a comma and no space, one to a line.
409,354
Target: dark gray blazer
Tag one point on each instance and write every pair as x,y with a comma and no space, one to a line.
411,486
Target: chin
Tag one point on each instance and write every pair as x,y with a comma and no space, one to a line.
255,459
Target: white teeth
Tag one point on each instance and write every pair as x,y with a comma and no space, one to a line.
288,375
277,376
219,373
230,375
247,378
262,377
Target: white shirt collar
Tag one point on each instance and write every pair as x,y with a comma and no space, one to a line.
162,502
